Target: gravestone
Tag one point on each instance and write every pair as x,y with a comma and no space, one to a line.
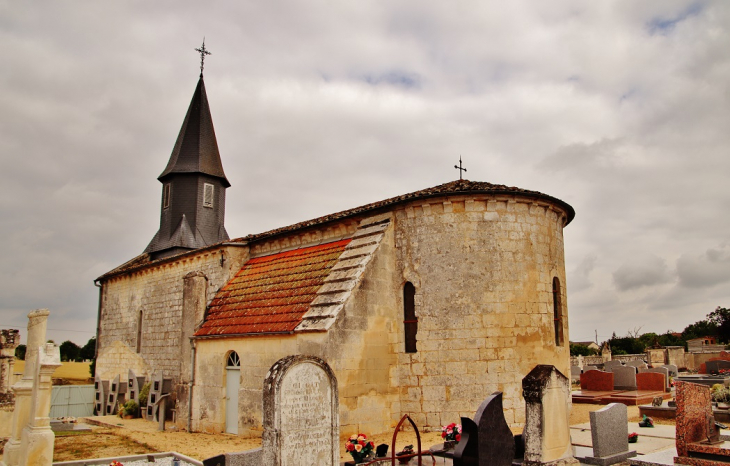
575,373
609,432
547,428
624,378
496,442
611,364
153,396
652,381
466,452
596,381
134,385
660,370
589,368
637,364
673,370
695,430
301,413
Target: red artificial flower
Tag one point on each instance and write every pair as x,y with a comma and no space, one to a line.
458,437
350,447
443,434
372,445
363,443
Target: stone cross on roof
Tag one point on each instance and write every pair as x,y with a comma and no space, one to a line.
203,52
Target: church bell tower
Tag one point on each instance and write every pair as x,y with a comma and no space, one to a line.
193,184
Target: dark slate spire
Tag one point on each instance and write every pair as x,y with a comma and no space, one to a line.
193,186
196,148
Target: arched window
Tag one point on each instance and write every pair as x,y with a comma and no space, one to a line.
233,360
139,332
557,312
410,322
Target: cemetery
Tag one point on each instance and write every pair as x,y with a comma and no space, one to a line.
302,424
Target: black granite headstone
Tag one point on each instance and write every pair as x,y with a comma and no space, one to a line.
496,441
381,450
466,452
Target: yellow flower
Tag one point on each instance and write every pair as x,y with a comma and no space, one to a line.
358,448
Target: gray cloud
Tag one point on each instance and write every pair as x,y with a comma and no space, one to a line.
642,272
619,109
705,270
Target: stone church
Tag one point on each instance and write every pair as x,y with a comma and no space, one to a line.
423,303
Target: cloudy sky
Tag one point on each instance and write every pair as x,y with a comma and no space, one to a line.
621,109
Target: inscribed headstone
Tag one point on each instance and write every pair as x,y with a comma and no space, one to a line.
547,430
496,442
624,378
301,413
609,432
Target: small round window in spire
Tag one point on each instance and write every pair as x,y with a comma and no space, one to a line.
233,360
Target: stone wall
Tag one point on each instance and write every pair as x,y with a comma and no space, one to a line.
483,268
156,292
360,348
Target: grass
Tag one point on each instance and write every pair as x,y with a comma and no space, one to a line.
68,370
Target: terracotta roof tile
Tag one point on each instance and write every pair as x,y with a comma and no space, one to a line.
270,294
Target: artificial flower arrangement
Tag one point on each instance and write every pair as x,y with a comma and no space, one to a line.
452,432
633,437
115,463
359,447
646,421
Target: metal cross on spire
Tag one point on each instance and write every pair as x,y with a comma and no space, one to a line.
203,52
458,167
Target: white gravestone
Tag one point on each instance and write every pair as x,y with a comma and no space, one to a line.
301,418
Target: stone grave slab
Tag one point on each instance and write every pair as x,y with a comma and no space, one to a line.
301,413
575,373
609,435
589,368
597,380
547,432
637,364
496,442
651,381
658,370
624,378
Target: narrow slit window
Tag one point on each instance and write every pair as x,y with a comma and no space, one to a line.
410,321
557,312
139,332
166,196
208,191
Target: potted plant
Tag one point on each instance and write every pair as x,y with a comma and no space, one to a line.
633,437
130,409
359,447
451,435
721,396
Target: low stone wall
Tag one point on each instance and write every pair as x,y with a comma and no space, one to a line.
694,360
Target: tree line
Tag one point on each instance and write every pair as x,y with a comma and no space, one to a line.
716,324
70,351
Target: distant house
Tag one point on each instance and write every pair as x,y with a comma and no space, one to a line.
592,345
703,344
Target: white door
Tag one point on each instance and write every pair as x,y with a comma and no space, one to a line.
233,382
